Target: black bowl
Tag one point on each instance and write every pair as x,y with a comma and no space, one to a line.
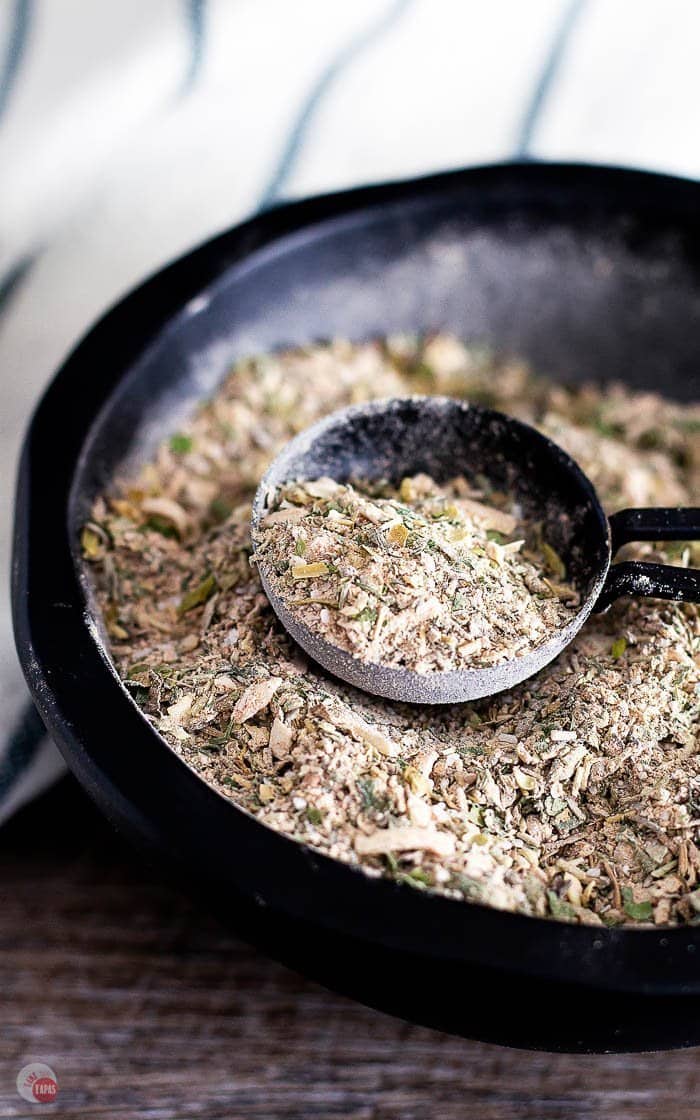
586,272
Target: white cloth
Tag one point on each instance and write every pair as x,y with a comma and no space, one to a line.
131,131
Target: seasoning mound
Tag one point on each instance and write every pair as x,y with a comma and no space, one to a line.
422,577
575,796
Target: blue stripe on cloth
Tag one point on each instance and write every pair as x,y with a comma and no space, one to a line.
195,12
326,79
21,747
10,282
553,61
11,63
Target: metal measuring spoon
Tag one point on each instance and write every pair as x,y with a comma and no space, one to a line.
445,438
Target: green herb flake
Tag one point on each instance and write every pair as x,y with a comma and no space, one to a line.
470,888
367,794
639,911
417,878
198,595
690,425
558,908
92,546
604,428
368,614
553,560
313,815
180,443
618,648
160,525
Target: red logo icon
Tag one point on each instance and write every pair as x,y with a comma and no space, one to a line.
37,1083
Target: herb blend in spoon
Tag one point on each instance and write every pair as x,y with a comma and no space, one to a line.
424,577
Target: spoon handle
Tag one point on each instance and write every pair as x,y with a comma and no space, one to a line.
646,580
664,523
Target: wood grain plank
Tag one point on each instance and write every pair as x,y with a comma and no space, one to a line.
147,1009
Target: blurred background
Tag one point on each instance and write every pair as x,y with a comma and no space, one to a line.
129,131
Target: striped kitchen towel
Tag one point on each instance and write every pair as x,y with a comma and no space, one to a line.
130,131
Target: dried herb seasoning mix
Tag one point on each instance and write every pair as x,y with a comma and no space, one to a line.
576,796
423,577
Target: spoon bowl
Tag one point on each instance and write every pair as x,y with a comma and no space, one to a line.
444,438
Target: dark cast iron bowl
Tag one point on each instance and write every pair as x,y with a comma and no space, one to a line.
586,272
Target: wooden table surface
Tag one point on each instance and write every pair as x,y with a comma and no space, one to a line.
146,1008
